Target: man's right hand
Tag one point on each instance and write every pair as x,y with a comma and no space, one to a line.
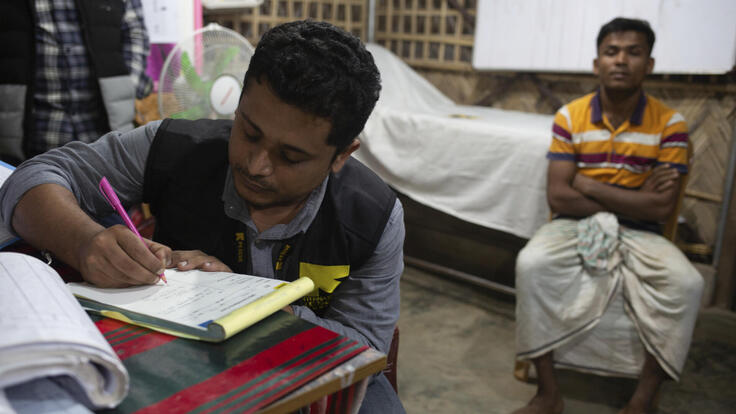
662,178
116,257
48,217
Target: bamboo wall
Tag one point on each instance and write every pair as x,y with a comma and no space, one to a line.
350,15
428,33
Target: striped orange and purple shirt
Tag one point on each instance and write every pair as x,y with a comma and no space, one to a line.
624,156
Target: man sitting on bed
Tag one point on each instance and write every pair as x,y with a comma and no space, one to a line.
615,165
273,193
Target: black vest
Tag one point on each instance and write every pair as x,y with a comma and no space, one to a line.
184,181
100,22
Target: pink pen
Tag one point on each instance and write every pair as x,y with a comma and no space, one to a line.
112,198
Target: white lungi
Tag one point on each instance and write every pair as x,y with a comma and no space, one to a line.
559,299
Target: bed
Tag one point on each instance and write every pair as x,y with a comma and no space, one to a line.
483,165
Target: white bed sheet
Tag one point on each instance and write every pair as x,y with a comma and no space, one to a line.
483,165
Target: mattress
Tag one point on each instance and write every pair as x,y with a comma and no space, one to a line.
482,165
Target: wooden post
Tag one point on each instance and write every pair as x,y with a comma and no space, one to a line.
725,289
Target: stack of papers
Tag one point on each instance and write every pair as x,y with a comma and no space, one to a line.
6,236
46,333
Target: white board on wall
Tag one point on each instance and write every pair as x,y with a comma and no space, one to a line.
693,36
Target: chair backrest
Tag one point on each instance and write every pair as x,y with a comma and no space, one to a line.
669,230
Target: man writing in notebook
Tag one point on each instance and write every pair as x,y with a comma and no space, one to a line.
273,193
615,166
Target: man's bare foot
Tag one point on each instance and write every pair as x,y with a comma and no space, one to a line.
543,405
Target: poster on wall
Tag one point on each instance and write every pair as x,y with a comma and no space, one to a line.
162,19
692,36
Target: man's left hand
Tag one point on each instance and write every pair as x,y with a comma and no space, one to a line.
662,178
197,259
583,183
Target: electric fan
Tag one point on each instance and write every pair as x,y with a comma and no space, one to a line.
202,75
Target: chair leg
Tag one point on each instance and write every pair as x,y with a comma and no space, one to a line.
521,370
392,361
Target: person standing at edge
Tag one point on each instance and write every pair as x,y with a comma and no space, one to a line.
72,72
273,193
615,165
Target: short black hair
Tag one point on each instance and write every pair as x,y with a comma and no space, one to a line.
622,24
322,70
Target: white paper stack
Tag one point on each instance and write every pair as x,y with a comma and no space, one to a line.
45,333
6,236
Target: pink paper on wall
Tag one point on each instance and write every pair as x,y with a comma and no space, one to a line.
159,51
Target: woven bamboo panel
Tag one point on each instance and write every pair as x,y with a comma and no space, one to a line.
350,15
428,33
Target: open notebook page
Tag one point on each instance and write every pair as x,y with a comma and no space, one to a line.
192,298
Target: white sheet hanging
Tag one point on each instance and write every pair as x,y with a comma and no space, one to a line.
483,165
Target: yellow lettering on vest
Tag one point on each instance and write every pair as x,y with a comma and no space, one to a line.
324,277
240,242
282,255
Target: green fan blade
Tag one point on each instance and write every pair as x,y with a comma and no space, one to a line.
227,56
194,112
192,77
198,86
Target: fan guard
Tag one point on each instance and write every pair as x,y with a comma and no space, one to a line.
202,76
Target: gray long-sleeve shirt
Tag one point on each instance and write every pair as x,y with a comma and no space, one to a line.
365,308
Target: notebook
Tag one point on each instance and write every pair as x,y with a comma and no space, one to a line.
209,306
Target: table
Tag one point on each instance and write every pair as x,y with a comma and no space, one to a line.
349,379
171,374
276,366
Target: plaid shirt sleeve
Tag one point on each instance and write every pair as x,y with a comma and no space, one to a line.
136,47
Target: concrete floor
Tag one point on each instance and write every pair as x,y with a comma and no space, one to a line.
456,355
